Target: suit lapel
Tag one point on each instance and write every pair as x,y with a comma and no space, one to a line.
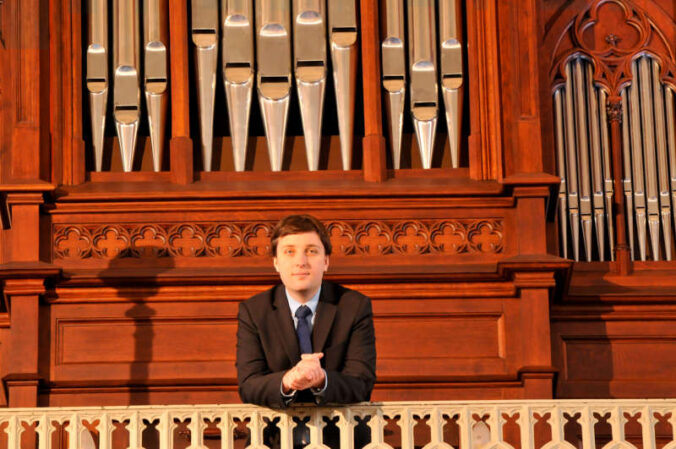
283,324
326,312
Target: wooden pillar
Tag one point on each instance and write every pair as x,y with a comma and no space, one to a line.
23,236
23,43
375,168
485,140
623,264
180,146
531,220
24,276
536,372
22,349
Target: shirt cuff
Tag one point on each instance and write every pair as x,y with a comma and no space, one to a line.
320,391
287,398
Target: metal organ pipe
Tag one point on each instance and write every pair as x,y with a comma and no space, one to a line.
97,74
205,38
393,58
126,84
238,72
156,40
309,43
273,38
343,34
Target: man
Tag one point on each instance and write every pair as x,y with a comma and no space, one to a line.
305,340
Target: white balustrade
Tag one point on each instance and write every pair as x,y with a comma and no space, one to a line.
459,425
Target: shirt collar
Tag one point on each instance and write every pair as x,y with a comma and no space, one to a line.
294,305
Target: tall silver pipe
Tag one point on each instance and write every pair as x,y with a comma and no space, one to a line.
273,55
394,74
451,72
561,165
156,43
627,176
343,41
238,72
205,38
97,74
662,158
126,84
571,163
637,164
649,160
608,187
309,44
598,195
671,144
423,71
583,155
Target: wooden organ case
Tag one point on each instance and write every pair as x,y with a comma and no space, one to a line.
149,146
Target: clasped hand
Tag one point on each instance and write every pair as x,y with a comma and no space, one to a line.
307,373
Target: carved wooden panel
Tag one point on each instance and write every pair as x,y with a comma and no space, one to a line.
441,345
611,33
144,342
252,239
181,340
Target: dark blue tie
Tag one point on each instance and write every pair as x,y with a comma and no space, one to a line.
303,329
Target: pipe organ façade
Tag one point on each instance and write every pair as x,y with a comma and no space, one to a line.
272,46
584,162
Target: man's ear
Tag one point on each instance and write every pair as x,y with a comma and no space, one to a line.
326,263
274,262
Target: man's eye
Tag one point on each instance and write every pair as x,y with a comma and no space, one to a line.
288,251
313,251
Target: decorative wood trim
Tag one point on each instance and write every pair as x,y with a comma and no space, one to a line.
613,56
252,239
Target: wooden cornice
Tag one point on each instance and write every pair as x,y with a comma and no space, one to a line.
278,187
28,270
23,278
11,189
486,280
599,283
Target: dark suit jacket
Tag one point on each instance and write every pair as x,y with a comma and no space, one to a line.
267,346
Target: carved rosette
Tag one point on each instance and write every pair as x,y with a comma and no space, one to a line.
252,239
373,238
111,241
149,241
411,237
72,242
449,237
257,239
225,240
485,236
187,240
342,237
611,33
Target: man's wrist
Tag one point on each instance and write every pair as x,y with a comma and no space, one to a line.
286,393
318,391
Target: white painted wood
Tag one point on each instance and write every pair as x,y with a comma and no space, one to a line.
474,432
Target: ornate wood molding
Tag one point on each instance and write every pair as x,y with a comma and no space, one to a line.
252,239
611,33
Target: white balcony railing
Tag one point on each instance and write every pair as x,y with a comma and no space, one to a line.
565,424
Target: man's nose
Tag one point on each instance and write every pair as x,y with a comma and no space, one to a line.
301,259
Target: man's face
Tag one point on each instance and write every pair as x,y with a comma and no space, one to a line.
301,262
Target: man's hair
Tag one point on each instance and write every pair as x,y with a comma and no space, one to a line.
299,224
